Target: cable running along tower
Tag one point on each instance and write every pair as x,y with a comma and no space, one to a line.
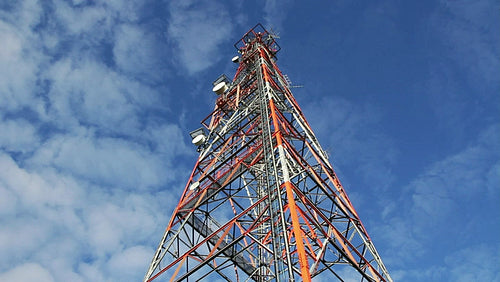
263,203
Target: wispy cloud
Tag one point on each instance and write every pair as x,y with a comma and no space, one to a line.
135,52
465,29
19,70
83,133
469,258
86,91
22,136
28,272
275,13
102,160
72,228
438,204
352,135
464,72
197,30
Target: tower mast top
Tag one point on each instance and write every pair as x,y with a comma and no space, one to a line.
258,34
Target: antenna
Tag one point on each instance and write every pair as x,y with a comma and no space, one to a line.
289,82
273,33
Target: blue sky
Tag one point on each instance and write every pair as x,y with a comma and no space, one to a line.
97,99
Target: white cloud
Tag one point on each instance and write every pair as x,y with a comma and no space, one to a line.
88,92
18,136
468,33
464,72
33,190
77,231
19,69
131,262
124,11
27,273
456,181
119,221
478,262
11,47
17,238
275,13
91,272
168,139
8,201
197,30
439,208
401,241
26,15
90,18
134,51
78,142
353,136
105,161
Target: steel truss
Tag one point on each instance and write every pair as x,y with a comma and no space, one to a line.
263,203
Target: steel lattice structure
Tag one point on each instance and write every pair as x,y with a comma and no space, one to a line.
263,203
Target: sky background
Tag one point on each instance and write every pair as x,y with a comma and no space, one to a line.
97,99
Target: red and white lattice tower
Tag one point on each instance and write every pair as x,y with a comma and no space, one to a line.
263,202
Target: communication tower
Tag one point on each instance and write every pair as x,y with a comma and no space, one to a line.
263,202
